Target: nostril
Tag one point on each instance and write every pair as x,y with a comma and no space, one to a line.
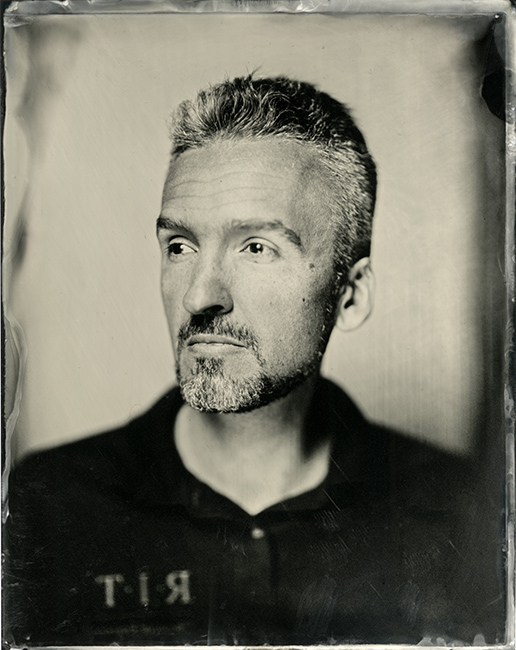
204,303
213,310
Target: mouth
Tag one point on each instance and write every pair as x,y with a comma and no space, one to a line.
213,340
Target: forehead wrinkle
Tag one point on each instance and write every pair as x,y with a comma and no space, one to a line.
216,179
185,207
273,200
232,191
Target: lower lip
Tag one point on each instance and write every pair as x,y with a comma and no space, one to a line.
214,348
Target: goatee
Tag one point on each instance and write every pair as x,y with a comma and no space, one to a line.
208,386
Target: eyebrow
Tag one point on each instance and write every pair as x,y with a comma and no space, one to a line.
257,224
164,223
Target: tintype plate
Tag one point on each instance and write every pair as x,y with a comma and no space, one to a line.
374,506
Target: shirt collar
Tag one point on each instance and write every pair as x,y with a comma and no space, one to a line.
165,482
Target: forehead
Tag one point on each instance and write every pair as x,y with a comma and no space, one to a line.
249,177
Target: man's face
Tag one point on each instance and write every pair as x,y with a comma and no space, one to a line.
247,274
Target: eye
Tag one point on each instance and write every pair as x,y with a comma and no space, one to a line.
260,252
179,249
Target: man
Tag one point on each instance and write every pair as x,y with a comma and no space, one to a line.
254,504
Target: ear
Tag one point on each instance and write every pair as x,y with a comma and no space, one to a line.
356,300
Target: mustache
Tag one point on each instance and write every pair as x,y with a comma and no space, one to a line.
219,326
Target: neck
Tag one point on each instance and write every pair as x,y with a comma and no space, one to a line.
258,458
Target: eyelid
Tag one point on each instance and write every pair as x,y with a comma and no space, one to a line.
167,234
260,240
178,239
269,253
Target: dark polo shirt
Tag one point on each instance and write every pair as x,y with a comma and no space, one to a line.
111,539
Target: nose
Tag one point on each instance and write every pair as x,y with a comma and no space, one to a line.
208,291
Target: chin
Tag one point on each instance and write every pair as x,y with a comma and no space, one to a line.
210,390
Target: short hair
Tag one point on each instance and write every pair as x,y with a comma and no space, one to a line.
256,108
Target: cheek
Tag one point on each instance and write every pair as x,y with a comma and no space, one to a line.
298,316
315,314
172,298
175,280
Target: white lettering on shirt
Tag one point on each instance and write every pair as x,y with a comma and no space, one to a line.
179,584
143,581
109,582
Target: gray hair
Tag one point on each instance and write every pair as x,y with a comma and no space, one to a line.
249,107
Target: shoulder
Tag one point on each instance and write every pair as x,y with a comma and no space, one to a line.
417,473
107,459
379,443
423,477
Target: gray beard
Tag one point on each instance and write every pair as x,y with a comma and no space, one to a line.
208,386
211,390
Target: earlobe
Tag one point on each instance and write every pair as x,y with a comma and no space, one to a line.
356,300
